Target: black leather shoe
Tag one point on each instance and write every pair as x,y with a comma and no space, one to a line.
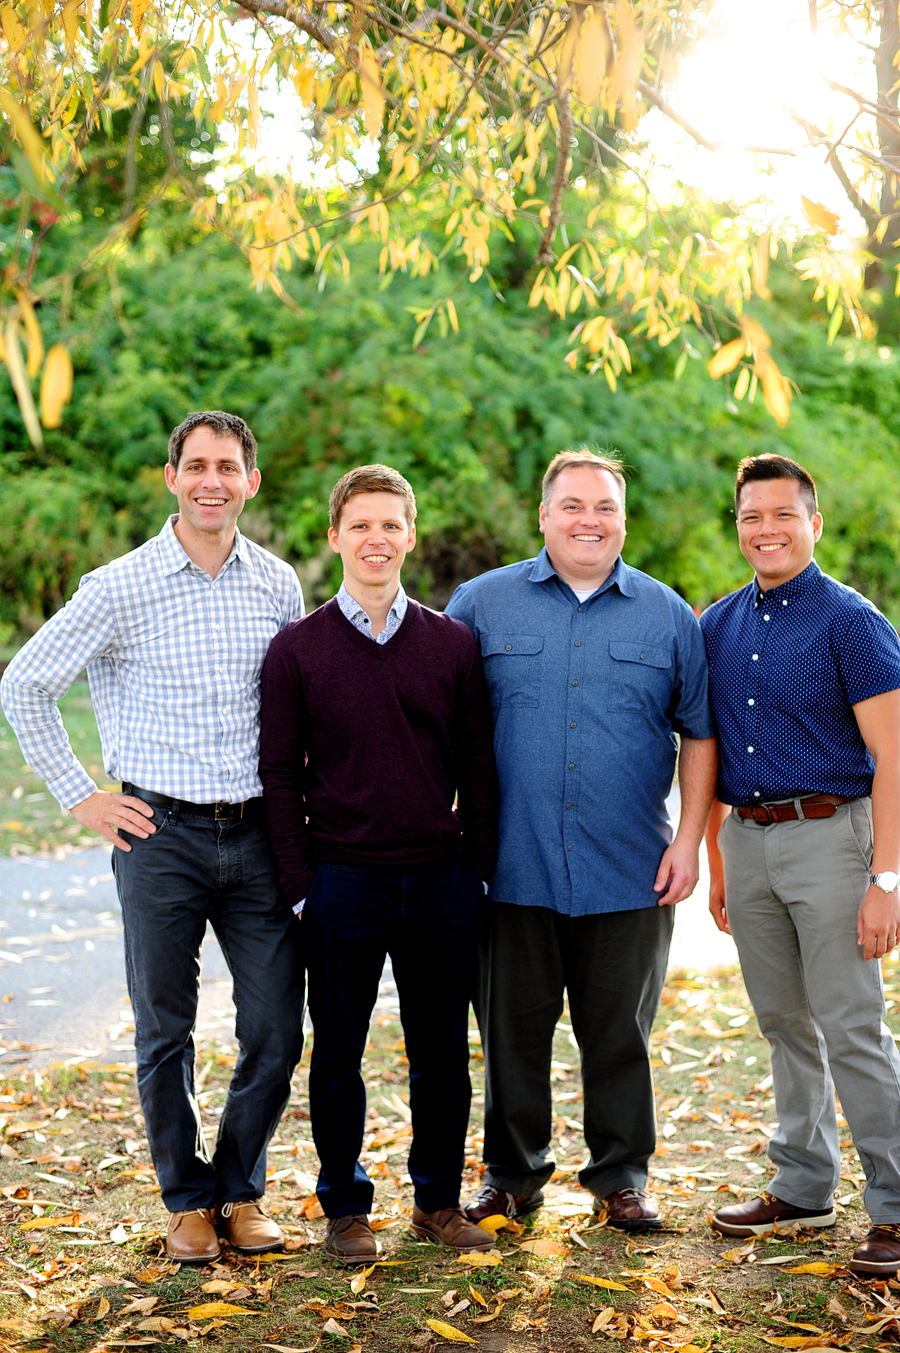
762,1214
630,1210
879,1253
491,1202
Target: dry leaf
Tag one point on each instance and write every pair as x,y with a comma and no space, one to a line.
786,1340
153,1272
819,1266
820,216
286,1348
493,1224
446,1331
332,1327
358,1281
156,1324
210,1310
603,1319
480,1259
545,1246
139,1306
600,1282
663,1311
740,1252
835,1307
42,1223
656,1285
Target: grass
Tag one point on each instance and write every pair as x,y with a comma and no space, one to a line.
31,821
74,1145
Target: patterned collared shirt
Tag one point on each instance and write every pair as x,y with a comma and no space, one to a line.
351,608
174,660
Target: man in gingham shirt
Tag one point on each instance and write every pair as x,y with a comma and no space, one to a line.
173,636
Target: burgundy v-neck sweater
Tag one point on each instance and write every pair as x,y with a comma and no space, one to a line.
365,745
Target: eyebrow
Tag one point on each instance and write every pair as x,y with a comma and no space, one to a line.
571,498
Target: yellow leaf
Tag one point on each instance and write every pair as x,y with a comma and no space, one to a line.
372,93
102,1309
454,1336
33,330
138,11
593,56
656,1285
776,389
727,358
493,1224
819,1266
740,1252
480,1259
664,1310
545,1246
70,22
600,1282
29,139
820,216
786,1340
41,1223
13,31
603,1319
358,1281
210,1310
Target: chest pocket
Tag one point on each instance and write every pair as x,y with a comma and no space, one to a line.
640,675
512,668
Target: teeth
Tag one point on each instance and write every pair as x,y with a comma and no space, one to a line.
590,538
210,502
375,558
769,549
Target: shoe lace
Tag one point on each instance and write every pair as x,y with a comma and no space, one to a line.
893,1228
489,1194
227,1208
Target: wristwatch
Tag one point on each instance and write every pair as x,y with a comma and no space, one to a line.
887,880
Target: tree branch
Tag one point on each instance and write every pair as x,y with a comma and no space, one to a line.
565,131
299,17
869,213
653,96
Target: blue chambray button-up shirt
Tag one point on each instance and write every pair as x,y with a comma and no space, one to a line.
587,697
786,667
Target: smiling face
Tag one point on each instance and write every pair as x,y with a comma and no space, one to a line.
211,484
373,538
584,525
776,533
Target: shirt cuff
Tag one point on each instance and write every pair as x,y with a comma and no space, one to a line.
72,787
298,906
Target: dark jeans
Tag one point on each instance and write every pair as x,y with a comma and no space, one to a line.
613,967
427,920
194,870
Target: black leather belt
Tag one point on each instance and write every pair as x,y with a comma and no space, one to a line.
814,805
219,812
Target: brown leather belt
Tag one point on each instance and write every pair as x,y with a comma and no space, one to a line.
815,805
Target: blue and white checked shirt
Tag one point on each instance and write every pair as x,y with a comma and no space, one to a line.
174,660
351,608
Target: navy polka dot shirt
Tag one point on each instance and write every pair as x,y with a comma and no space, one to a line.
785,667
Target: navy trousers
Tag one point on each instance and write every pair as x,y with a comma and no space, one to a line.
194,870
427,920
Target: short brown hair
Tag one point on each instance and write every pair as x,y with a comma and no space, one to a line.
753,469
564,460
223,425
370,479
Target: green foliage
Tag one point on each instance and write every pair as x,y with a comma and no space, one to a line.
471,417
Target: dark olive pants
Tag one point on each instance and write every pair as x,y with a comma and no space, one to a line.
612,966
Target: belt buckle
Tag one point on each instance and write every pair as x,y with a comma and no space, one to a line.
229,814
762,813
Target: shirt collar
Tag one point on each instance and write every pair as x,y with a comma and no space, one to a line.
542,569
351,608
794,587
174,556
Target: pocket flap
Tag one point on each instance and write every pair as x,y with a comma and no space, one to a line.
651,655
510,643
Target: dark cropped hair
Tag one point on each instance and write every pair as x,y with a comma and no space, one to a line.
370,479
752,469
223,425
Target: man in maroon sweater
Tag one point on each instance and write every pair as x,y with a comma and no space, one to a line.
375,718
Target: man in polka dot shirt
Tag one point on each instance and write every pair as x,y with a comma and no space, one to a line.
805,689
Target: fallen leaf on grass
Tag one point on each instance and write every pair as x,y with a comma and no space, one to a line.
286,1348
818,1266
210,1310
311,1207
656,1285
156,1324
493,1224
786,1340
102,1309
448,1332
480,1259
663,1311
740,1252
42,1223
603,1319
600,1282
835,1307
332,1327
797,1325
118,1235
780,1259
154,1272
488,1315
223,1287
358,1281
139,1306
545,1246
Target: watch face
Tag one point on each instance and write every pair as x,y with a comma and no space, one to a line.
886,880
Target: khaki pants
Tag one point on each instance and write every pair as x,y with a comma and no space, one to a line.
792,893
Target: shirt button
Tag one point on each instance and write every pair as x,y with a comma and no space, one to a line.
577,643
569,847
643,655
751,702
749,749
573,725
574,683
571,765
568,805
756,657
509,648
581,608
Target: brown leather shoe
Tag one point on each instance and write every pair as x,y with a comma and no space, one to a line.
349,1240
450,1226
191,1237
879,1253
762,1214
630,1210
248,1228
491,1202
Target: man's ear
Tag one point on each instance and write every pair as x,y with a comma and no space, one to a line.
333,540
170,474
254,479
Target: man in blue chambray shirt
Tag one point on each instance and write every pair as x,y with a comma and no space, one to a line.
805,688
173,636
592,669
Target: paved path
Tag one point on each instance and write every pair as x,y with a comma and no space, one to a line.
62,975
